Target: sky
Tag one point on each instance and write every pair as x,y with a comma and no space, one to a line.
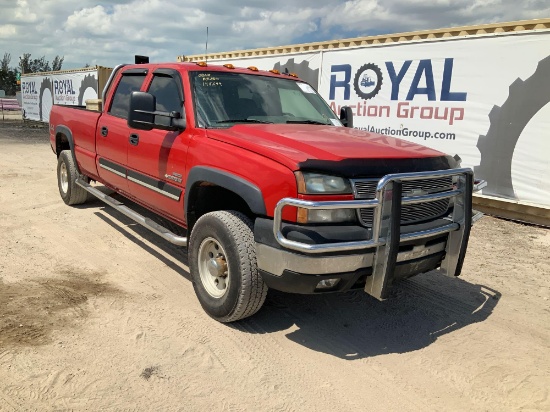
107,33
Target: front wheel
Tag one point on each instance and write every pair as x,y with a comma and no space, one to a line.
70,192
222,259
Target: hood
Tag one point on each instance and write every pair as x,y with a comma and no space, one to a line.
347,152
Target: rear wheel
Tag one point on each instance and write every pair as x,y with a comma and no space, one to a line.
70,192
222,259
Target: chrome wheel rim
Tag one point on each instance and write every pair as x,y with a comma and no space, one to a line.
213,268
64,178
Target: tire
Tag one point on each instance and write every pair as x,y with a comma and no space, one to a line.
222,260
70,192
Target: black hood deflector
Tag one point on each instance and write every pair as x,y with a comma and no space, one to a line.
355,168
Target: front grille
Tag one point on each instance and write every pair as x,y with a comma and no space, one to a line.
421,212
365,189
439,184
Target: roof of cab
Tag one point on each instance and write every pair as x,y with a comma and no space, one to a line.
204,66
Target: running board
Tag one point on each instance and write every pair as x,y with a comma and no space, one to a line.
126,211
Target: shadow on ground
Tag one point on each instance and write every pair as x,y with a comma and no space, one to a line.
354,325
349,325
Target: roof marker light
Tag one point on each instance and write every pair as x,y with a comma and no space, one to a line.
202,64
275,71
229,66
253,68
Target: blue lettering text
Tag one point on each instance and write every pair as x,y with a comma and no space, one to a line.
424,68
396,79
446,94
346,68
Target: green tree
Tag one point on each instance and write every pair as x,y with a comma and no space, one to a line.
29,65
25,63
8,81
5,63
57,63
7,76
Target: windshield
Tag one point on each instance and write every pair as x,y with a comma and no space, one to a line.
223,99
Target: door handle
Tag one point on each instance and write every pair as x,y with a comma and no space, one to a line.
104,131
134,139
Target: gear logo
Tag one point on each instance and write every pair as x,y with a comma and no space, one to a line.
303,70
45,101
89,82
525,99
368,81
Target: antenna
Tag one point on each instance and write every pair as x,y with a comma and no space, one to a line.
206,48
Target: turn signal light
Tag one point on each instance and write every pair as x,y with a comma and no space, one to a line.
302,215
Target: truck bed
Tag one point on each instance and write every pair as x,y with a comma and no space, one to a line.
81,124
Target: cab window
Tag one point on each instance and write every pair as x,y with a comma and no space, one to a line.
167,93
121,99
168,96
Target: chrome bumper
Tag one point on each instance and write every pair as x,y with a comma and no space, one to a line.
386,225
276,261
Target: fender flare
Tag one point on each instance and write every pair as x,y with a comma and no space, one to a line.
251,193
67,132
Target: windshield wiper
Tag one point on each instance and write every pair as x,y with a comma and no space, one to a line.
307,121
242,121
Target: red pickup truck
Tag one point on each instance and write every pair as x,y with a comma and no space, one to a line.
272,188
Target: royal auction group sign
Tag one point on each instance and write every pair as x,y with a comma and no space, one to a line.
483,97
39,93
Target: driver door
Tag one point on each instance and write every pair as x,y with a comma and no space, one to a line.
157,158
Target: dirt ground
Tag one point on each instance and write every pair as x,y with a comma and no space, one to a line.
97,314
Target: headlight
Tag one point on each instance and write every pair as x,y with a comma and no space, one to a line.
315,183
318,184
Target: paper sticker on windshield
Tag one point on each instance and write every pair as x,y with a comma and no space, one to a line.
336,122
209,80
306,88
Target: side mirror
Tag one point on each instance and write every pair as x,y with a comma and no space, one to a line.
346,116
142,107
144,116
